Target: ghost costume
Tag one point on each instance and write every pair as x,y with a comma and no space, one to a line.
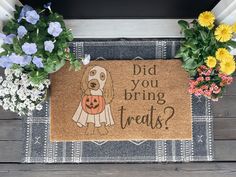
81,117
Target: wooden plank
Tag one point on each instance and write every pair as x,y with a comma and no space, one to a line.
225,107
225,129
117,170
225,150
10,151
7,114
10,130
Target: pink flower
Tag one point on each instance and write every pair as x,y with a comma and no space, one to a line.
208,78
200,79
217,90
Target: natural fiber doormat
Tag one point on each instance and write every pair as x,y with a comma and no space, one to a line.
121,100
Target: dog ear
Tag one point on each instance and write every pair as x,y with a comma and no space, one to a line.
108,92
84,81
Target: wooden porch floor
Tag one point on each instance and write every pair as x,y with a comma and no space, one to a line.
224,164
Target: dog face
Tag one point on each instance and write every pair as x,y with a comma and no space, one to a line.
98,78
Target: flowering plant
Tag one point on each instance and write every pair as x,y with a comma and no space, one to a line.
19,94
205,53
35,44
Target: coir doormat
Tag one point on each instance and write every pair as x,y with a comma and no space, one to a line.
121,100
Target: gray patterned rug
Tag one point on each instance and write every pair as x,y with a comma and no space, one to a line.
38,148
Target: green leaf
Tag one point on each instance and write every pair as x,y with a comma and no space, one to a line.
16,46
190,64
183,24
178,54
38,76
188,33
232,43
203,35
54,66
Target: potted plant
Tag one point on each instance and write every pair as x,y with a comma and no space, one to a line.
35,44
205,52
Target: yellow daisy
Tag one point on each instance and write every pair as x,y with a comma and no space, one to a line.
223,33
222,53
206,19
211,62
227,66
234,27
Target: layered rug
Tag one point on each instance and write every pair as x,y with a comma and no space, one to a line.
195,145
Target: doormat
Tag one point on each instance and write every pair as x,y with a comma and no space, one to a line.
37,147
121,100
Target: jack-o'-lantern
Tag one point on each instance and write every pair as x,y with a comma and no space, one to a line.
93,104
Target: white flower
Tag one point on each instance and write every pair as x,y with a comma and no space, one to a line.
12,108
17,82
5,106
9,78
4,83
22,105
41,87
6,91
29,114
13,99
47,82
31,107
24,77
27,102
27,93
18,107
86,59
22,97
33,98
8,71
2,94
18,93
39,107
17,72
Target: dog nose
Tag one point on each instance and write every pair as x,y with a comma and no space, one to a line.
92,84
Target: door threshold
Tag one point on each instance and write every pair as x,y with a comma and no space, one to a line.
125,28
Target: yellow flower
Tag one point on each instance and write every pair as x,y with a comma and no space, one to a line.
223,33
227,66
234,27
211,62
206,19
222,53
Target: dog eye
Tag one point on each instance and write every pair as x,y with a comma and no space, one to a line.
102,76
87,100
95,100
92,73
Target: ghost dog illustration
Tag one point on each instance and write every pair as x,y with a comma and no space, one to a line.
97,93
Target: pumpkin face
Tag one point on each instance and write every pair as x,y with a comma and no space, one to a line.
93,104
